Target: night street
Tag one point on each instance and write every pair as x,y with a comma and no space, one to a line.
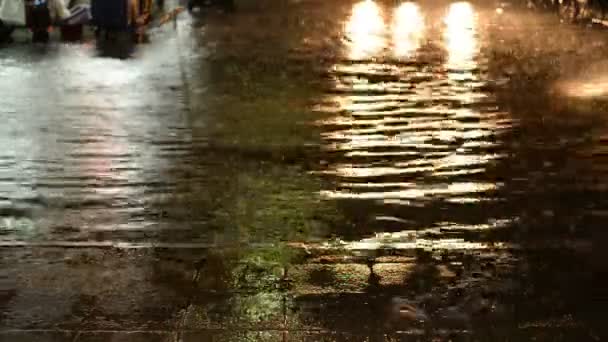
310,170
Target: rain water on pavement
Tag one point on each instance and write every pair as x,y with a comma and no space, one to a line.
308,171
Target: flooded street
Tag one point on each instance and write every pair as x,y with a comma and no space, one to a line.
309,171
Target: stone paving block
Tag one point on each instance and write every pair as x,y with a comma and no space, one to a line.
264,310
126,337
35,310
223,272
35,293
347,337
332,278
554,335
354,312
36,336
92,289
234,336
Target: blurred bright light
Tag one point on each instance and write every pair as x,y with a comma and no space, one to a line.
460,35
588,89
365,30
408,29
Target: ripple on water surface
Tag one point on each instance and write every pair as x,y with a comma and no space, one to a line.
409,130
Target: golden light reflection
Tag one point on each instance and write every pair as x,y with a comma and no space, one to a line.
408,134
408,240
417,191
462,47
408,29
461,36
588,89
365,30
411,135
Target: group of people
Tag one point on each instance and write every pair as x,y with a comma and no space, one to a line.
39,15
70,15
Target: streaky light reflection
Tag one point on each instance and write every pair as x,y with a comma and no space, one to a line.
587,89
408,29
365,30
461,36
411,135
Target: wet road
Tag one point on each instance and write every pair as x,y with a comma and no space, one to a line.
424,170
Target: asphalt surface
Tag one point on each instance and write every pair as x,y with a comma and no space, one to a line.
308,171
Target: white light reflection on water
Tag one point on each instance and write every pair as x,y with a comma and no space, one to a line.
413,140
365,30
408,29
587,89
461,37
462,46
377,117
88,139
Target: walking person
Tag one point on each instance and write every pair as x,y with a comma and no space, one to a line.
12,13
38,19
6,32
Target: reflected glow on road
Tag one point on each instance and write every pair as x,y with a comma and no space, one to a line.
461,36
412,135
93,145
365,30
587,89
408,29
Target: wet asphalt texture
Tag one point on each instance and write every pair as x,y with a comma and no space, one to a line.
309,171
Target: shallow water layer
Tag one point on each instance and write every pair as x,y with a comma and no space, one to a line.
282,171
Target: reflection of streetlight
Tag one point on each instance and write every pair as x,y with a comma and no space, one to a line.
408,27
587,89
461,40
365,29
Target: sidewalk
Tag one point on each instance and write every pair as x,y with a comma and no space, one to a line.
200,294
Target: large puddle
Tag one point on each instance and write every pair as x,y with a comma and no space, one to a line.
425,166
